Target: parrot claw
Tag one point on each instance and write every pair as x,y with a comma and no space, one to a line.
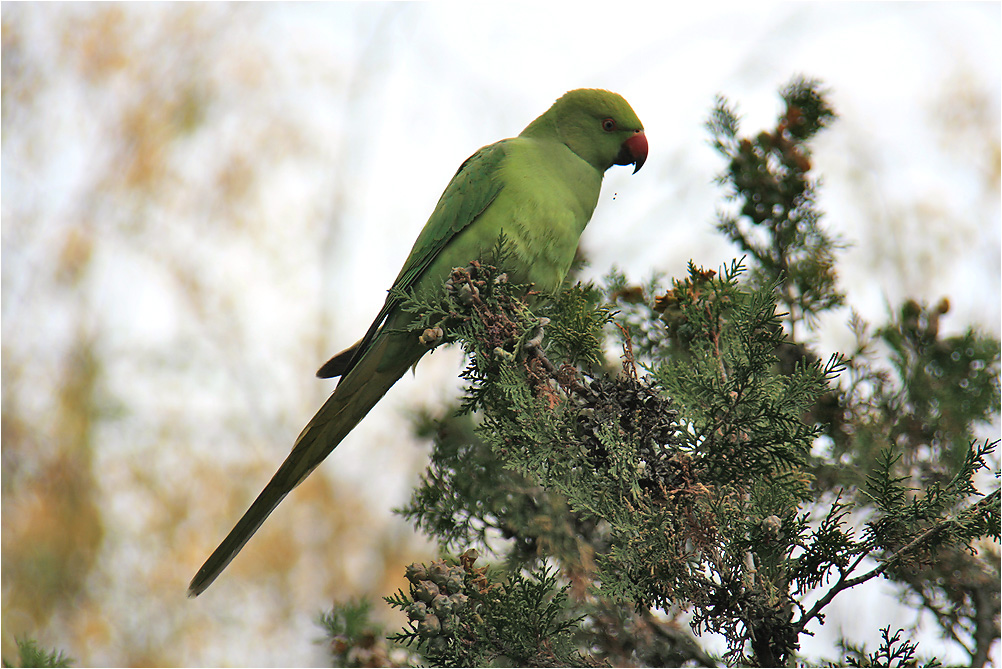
537,336
466,293
460,284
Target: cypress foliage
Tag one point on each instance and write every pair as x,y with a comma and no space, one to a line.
720,472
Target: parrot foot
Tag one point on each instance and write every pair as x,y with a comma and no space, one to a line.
466,293
536,339
461,285
566,376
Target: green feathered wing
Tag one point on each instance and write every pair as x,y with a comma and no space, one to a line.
473,188
369,368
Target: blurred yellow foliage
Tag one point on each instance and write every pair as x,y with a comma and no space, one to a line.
139,415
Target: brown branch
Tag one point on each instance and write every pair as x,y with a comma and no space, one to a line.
845,583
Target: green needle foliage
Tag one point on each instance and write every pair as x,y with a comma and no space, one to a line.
31,655
354,640
720,474
459,617
893,652
779,226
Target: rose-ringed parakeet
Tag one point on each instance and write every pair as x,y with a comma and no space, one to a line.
539,189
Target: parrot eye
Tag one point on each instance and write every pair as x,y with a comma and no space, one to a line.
608,125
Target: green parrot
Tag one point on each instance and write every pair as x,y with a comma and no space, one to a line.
540,190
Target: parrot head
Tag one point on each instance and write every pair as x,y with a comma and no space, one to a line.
597,125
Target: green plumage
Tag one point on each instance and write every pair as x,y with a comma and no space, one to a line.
540,190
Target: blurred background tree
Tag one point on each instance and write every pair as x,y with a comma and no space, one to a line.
152,233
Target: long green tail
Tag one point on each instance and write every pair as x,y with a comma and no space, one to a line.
354,396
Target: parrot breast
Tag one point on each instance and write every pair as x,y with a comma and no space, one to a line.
548,197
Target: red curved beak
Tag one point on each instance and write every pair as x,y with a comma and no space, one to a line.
633,151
